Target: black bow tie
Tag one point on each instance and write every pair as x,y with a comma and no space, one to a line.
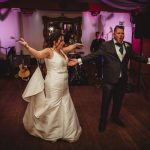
121,47
119,44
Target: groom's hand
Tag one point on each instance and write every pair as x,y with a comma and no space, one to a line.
72,62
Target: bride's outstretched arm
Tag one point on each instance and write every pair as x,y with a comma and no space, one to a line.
44,53
72,47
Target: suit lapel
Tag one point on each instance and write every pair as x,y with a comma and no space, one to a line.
126,48
125,51
114,52
114,49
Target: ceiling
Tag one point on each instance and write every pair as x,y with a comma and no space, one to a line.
61,5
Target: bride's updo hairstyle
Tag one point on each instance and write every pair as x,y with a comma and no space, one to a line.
54,36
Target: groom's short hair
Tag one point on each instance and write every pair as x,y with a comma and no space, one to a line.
118,26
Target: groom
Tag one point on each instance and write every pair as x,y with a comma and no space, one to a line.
116,54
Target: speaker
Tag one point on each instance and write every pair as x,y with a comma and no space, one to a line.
142,25
4,67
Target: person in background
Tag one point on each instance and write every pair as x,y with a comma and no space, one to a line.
116,54
50,113
95,46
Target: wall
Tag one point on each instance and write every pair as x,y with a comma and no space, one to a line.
30,26
33,25
9,27
104,23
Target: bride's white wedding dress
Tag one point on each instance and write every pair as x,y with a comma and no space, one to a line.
50,113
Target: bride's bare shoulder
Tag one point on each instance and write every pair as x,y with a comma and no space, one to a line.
50,52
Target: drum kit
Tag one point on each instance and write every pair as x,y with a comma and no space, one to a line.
76,72
75,54
82,74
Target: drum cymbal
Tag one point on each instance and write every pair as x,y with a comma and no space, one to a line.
80,52
72,53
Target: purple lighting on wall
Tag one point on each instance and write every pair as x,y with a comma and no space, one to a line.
9,27
1,1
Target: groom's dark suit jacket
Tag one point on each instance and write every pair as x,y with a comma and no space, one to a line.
112,66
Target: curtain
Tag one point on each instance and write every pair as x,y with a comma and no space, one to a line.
125,4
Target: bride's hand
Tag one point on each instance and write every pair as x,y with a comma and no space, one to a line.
23,42
79,45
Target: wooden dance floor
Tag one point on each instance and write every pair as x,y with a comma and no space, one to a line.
135,114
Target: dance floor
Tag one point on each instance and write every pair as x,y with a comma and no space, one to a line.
135,114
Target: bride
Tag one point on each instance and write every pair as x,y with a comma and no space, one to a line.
50,113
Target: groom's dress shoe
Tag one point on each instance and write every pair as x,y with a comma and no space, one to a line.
102,126
118,122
